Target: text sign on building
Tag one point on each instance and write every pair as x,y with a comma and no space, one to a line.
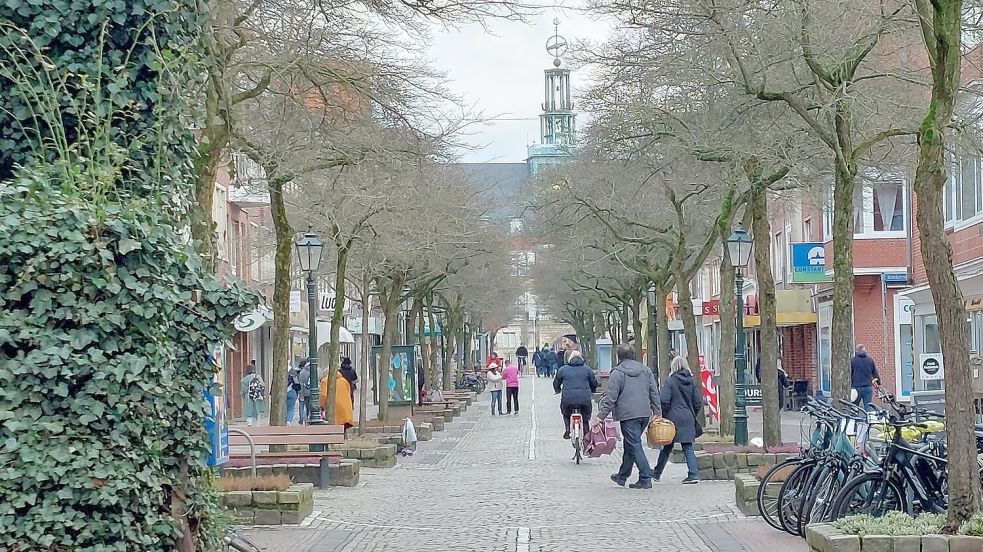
809,263
752,394
711,307
930,366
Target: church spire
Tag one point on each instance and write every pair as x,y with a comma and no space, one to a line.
557,120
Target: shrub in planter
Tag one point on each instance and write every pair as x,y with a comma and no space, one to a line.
892,524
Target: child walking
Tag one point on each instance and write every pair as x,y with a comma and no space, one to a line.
495,385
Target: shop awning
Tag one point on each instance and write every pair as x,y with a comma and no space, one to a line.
793,306
324,333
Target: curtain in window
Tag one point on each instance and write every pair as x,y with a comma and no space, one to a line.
886,196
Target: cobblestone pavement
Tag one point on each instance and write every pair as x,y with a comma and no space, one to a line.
507,483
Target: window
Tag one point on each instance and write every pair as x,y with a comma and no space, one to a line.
778,257
234,247
963,195
879,208
807,230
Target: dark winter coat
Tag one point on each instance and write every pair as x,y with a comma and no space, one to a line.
632,393
552,359
349,374
862,370
521,352
577,382
539,359
678,389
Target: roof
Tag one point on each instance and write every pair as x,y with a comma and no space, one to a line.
503,182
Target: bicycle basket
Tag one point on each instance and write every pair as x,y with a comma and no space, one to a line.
660,432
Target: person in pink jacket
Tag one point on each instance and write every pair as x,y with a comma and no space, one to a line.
511,375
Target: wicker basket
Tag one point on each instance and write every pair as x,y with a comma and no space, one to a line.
660,432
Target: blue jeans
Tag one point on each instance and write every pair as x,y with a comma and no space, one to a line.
305,414
631,431
866,393
496,400
691,466
291,403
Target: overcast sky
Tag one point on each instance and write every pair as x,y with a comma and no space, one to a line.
500,74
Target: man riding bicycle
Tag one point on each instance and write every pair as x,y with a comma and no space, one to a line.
575,382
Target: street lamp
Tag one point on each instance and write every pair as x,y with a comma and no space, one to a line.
653,333
309,248
739,248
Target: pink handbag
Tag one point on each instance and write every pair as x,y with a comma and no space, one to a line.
601,440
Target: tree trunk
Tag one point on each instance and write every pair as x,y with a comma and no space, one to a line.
942,34
281,305
330,364
761,234
390,302
449,347
213,143
662,330
842,327
728,342
636,323
433,352
423,340
366,351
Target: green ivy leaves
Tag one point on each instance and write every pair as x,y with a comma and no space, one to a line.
102,366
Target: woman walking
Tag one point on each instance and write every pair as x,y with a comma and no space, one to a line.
253,392
681,400
511,375
495,384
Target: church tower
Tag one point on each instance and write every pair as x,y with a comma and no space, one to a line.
557,123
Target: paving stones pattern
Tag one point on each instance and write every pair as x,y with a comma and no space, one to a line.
476,488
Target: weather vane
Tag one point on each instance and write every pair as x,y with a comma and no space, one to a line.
556,45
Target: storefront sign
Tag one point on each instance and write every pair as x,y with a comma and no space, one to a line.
931,366
809,263
752,395
897,278
711,307
294,302
250,321
327,301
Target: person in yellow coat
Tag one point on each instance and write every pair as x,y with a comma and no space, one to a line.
342,399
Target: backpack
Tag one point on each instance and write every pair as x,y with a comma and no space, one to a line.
256,389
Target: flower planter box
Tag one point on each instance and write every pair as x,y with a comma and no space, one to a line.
826,538
287,507
342,474
727,464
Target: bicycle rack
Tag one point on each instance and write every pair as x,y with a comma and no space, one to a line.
252,446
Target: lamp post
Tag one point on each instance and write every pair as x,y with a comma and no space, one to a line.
739,247
653,333
309,248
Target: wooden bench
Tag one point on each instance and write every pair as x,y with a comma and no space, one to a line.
311,435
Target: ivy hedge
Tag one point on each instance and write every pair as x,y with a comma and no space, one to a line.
106,315
103,338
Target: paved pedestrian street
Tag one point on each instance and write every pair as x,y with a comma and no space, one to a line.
508,484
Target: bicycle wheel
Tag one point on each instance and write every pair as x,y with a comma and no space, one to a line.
826,483
576,449
769,491
870,494
791,495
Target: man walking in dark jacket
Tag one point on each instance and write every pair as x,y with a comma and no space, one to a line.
863,374
576,383
632,397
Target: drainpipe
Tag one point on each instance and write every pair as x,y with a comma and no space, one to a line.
884,320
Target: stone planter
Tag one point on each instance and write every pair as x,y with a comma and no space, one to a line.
826,538
725,465
342,474
377,456
290,506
